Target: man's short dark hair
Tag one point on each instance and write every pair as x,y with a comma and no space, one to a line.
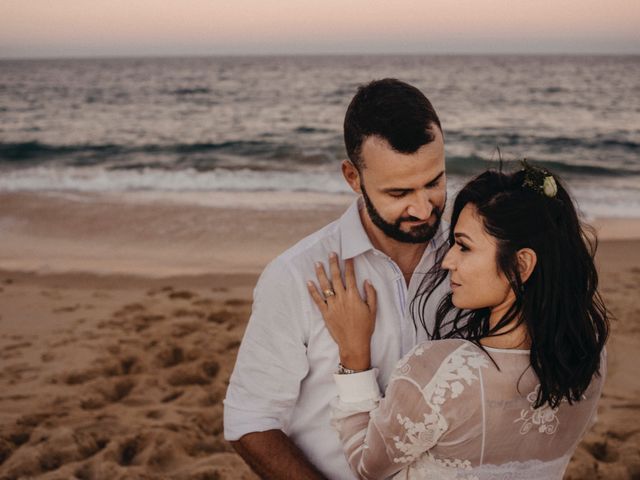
390,109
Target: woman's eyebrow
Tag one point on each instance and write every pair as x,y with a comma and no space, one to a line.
462,235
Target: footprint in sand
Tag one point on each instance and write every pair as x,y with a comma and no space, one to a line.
11,439
181,330
52,294
622,436
172,396
33,419
78,378
181,295
47,357
129,309
155,414
113,391
199,374
204,302
101,295
237,302
220,316
16,346
156,291
68,309
601,451
170,356
18,372
184,312
57,448
129,448
188,376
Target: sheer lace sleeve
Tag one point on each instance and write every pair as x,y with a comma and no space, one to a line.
382,436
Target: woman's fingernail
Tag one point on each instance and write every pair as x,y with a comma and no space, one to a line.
318,264
333,255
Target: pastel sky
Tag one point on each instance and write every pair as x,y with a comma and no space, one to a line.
68,28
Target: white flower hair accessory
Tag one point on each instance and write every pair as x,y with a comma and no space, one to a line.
549,186
539,180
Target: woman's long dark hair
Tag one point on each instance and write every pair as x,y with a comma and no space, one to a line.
559,303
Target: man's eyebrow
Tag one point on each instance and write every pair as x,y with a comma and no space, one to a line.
462,235
433,181
396,189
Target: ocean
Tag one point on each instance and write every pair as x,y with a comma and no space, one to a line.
274,124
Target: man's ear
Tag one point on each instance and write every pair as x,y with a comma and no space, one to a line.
527,260
351,175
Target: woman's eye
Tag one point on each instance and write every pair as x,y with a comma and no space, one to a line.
463,247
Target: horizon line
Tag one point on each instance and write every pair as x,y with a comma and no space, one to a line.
315,54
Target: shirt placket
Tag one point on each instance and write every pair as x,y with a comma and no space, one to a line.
407,334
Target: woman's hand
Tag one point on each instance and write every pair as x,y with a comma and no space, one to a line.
349,318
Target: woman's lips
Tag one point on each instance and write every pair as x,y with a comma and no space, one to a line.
454,285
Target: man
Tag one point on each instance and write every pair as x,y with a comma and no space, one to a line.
277,406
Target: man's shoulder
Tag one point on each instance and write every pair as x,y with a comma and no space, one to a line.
318,241
301,256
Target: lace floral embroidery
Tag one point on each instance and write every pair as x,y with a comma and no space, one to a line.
403,367
460,367
443,469
544,418
430,467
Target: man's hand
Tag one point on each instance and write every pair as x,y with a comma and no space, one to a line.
273,456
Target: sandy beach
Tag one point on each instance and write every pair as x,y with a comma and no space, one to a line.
120,319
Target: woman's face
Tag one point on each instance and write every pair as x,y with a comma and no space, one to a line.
476,281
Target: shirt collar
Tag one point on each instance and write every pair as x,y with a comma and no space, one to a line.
354,240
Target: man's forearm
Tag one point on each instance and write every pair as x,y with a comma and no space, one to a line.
273,456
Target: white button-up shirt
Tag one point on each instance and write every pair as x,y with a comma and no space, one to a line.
283,377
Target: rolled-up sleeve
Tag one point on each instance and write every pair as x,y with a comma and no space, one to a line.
272,360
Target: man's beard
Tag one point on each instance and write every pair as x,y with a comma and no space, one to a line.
419,234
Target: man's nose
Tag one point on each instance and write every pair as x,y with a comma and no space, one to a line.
420,207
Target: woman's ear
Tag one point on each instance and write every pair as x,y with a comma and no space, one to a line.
527,260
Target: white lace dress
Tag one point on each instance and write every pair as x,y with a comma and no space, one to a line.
449,413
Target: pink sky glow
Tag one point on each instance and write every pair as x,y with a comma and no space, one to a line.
39,28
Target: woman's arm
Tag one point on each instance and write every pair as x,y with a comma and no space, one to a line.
382,436
379,436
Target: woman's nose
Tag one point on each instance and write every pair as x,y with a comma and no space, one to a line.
448,260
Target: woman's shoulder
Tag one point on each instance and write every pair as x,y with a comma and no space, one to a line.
449,357
441,347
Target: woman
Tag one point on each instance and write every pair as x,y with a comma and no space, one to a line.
511,382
